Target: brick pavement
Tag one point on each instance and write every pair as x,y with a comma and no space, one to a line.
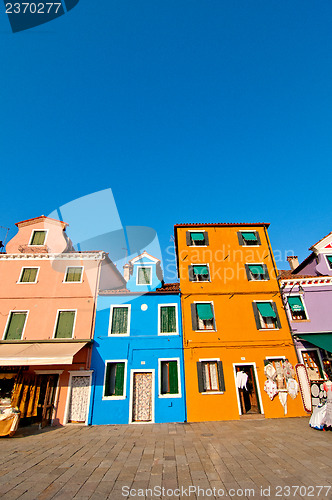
238,458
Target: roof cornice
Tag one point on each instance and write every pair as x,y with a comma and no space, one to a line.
54,256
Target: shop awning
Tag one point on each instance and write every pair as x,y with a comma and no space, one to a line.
55,353
295,304
322,340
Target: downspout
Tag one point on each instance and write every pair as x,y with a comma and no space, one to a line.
281,294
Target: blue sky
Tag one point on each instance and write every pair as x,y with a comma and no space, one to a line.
190,111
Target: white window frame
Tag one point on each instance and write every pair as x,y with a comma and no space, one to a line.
327,260
32,234
168,396
110,334
198,231
116,398
250,231
203,281
253,364
66,271
56,322
176,317
290,311
267,329
214,316
211,360
132,373
256,264
140,267
8,319
19,282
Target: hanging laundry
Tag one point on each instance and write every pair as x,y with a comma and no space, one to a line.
270,387
241,380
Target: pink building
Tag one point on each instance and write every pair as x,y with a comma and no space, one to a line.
48,297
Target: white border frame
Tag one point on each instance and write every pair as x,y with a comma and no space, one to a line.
132,373
203,281
176,317
8,319
128,306
19,282
32,234
139,266
116,398
197,231
257,264
208,360
77,373
253,364
56,322
250,231
267,329
168,396
290,311
214,315
68,267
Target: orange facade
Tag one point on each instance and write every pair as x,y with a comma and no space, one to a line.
229,288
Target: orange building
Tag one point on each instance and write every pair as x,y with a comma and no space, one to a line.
47,308
238,350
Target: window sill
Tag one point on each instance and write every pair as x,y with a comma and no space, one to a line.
169,396
168,334
212,392
26,282
118,335
301,320
206,330
113,398
268,329
71,282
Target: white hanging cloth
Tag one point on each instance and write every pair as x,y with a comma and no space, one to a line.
241,380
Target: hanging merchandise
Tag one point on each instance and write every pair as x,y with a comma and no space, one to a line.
270,371
241,380
289,371
283,399
318,416
280,375
328,416
305,389
292,387
270,387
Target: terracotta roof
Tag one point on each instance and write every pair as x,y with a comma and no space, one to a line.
289,275
43,217
169,287
320,241
230,224
120,291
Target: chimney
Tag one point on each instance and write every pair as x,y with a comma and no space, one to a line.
126,271
293,261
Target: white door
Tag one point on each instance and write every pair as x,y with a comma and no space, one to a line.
79,398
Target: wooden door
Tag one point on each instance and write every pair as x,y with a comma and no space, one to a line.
312,364
50,385
142,397
248,396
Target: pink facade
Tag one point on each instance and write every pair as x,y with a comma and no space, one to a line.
47,308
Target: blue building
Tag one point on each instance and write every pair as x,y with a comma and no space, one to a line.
137,355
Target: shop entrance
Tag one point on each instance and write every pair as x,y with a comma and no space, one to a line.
246,385
48,386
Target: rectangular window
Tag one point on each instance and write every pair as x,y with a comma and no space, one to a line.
278,365
266,315
247,238
144,276
167,319
73,274
257,272
114,379
15,325
38,238
65,325
169,379
120,320
197,238
210,376
28,275
199,273
329,260
312,363
203,316
296,307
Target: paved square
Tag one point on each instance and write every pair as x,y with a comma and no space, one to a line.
234,459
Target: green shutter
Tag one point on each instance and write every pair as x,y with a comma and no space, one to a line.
144,276
201,270
173,377
266,310
64,328
249,236
119,379
295,304
73,274
167,319
38,238
204,311
29,275
257,269
197,236
119,320
15,326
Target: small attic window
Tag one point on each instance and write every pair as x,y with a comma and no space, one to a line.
144,275
329,260
38,237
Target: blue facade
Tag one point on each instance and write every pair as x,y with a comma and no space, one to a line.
150,362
